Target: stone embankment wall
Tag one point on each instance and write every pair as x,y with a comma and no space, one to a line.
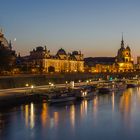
21,80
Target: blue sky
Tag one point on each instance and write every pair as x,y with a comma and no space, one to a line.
92,26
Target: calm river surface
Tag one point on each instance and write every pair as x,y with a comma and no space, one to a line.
114,116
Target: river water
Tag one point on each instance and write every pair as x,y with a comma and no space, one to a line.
114,116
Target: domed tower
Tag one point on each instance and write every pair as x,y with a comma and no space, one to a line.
3,41
7,55
123,58
61,53
120,54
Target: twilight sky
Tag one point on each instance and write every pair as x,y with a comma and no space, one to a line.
92,26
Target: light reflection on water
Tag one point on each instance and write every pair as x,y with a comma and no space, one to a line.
29,116
113,116
113,101
72,116
32,115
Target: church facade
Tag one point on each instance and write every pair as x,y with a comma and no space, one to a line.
41,58
122,62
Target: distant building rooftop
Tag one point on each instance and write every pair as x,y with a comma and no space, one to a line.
92,61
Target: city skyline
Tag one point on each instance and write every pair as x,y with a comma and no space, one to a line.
89,26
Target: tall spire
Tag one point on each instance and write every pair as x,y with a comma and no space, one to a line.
122,36
122,42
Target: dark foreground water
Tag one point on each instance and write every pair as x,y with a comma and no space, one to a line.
112,117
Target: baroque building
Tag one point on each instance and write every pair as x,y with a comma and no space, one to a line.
123,62
7,55
124,59
41,59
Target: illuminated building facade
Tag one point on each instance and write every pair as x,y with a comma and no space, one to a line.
123,62
41,58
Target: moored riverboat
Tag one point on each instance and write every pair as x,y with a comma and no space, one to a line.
87,91
119,85
104,87
110,86
132,83
61,97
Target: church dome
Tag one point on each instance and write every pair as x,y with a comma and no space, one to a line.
3,40
39,48
128,48
75,53
61,52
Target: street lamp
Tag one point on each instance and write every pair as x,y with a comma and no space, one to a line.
26,84
32,87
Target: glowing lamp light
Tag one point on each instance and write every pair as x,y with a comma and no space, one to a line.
110,78
121,64
52,84
84,94
27,85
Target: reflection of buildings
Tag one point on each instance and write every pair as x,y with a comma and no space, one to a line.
41,59
72,115
44,114
125,104
121,63
95,108
29,115
83,108
113,101
7,55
